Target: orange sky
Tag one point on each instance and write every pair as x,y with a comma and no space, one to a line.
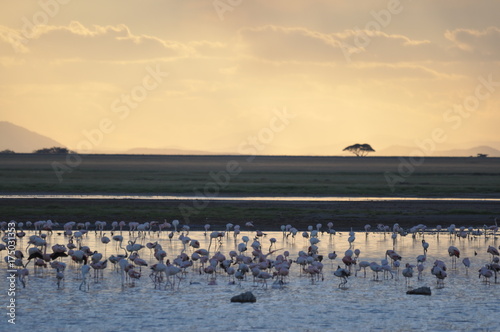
293,77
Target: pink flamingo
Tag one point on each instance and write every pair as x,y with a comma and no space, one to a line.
454,254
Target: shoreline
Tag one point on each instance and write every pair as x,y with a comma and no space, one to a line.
246,198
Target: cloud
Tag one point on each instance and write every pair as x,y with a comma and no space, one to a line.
480,42
276,43
299,44
99,43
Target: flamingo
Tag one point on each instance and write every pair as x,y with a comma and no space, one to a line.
495,267
454,254
343,274
140,262
85,272
494,228
466,262
493,251
59,277
332,256
99,266
425,245
392,255
157,270
133,275
408,273
348,260
213,235
376,268
394,237
352,238
175,223
420,269
105,240
263,275
367,228
249,225
273,242
362,265
125,266
439,270
119,240
386,268
236,232
486,273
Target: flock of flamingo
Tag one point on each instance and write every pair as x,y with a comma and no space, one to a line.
254,257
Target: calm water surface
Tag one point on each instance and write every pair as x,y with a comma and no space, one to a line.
251,198
464,304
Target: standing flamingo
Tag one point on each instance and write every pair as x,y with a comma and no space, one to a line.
439,270
352,238
486,273
175,223
332,256
408,273
343,274
454,254
105,240
493,251
362,265
466,262
213,235
425,245
85,272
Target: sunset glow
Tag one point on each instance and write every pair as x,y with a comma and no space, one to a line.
296,77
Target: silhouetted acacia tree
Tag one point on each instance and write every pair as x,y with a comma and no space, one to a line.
7,151
360,150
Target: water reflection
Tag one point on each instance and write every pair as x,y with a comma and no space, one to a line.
464,303
250,198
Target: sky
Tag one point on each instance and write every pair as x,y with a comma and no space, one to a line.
257,77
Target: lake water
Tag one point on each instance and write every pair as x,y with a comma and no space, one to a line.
465,303
251,198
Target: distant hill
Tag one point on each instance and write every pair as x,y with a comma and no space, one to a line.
168,151
409,150
22,140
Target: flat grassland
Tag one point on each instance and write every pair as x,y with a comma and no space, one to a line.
203,176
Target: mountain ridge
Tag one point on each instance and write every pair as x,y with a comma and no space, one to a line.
398,150
22,140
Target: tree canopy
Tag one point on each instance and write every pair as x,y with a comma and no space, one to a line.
53,150
360,150
7,151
